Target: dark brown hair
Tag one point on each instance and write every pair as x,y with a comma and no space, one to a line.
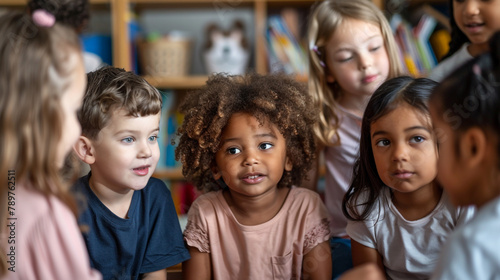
276,98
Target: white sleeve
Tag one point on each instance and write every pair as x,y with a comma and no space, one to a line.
362,232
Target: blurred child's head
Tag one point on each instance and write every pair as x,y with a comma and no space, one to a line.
120,124
352,51
397,145
273,111
74,13
42,82
458,38
465,111
477,19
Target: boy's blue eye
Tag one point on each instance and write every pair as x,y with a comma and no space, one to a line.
265,146
128,140
233,151
383,143
153,138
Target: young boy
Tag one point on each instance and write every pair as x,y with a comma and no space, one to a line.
133,230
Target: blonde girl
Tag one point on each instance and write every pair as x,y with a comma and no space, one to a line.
42,81
352,52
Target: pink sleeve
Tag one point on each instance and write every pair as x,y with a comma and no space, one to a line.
55,249
195,233
318,229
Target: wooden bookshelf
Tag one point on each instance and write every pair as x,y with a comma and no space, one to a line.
119,11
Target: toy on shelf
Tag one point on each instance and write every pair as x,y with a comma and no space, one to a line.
226,51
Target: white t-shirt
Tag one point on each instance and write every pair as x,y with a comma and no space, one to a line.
473,250
339,161
447,66
410,249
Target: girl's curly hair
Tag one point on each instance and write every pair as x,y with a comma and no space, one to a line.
275,97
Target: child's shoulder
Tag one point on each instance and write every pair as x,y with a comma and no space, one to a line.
306,198
304,193
447,66
210,199
157,186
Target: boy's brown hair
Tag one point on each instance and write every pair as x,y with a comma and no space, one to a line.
110,89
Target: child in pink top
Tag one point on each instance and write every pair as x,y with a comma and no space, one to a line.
247,140
42,80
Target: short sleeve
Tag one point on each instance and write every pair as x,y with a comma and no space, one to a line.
196,230
318,234
165,247
359,232
318,230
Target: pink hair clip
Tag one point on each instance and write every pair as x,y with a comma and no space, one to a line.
315,49
43,18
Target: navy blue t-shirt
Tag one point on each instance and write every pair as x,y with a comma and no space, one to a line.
149,240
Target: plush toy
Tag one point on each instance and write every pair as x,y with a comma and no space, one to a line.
226,51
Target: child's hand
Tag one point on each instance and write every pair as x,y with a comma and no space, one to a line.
368,271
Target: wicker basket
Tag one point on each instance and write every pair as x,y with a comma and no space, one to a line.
165,57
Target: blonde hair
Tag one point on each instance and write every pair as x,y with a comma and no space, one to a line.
34,73
325,18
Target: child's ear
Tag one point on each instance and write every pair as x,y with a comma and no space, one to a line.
215,172
288,164
329,77
473,147
83,149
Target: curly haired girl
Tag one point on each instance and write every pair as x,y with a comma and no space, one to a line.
246,141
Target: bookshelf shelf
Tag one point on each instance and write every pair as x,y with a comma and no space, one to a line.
119,11
185,82
24,2
169,173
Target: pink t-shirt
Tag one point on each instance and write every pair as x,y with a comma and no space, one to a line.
339,161
272,250
48,242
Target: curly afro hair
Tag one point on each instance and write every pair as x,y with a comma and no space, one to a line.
275,97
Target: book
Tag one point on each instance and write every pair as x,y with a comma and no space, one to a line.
284,49
416,50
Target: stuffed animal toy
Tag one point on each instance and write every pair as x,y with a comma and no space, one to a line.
226,51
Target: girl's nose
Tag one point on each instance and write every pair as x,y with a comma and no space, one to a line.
251,158
471,7
365,61
400,152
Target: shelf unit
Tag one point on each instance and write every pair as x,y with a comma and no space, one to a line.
119,12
